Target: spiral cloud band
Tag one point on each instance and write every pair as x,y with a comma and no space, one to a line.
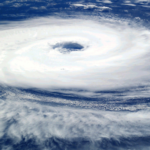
80,54
59,77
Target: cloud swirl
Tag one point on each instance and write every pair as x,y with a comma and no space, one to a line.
79,68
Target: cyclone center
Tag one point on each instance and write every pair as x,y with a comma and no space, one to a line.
68,47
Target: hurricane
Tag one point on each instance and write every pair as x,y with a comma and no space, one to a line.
74,75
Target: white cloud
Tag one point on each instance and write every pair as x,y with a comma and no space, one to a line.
114,54
107,1
104,1
85,6
32,120
140,1
17,5
101,8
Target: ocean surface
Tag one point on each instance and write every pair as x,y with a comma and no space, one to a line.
75,75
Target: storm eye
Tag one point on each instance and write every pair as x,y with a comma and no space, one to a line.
68,47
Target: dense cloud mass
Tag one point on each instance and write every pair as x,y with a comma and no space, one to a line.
40,54
74,81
